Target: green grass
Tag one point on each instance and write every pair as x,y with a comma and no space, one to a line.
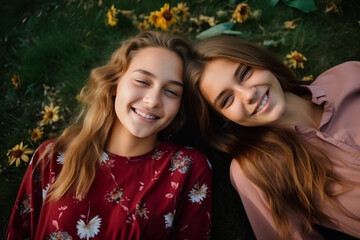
56,43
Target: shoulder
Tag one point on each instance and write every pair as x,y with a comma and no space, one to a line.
236,173
46,158
43,149
238,178
347,72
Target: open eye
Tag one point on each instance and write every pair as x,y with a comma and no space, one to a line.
245,73
227,101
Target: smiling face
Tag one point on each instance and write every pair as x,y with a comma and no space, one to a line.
148,95
245,95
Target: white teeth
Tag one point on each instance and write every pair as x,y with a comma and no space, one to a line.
263,103
144,114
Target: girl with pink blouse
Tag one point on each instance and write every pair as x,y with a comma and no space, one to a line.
295,147
112,174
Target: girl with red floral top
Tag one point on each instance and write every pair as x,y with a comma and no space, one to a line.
111,174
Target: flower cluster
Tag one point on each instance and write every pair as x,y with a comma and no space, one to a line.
50,115
166,17
176,19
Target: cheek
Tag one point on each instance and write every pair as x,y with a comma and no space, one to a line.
235,112
173,107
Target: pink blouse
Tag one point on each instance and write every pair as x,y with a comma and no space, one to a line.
339,133
161,194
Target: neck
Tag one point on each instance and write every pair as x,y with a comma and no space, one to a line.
123,143
300,110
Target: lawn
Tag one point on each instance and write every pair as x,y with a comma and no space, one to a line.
49,46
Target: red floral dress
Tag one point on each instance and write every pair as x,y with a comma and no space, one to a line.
165,193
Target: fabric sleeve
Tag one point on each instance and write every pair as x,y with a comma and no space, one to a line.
193,216
28,203
258,210
340,81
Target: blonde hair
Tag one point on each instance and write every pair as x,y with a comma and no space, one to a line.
288,169
83,141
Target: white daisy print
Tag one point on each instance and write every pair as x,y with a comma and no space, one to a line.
60,159
197,193
142,211
107,160
169,218
157,154
44,191
180,163
90,229
104,157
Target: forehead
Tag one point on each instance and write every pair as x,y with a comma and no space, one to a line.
216,77
159,61
158,54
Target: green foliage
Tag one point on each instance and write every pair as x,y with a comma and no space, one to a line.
303,5
53,44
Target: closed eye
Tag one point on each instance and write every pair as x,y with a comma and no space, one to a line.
142,82
172,92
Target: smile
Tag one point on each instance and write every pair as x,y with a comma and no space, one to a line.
144,115
263,103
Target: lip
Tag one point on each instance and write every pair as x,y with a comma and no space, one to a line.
145,115
264,108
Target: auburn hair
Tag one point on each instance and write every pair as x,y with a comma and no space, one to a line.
290,171
83,141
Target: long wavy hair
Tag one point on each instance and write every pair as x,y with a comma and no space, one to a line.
290,171
83,140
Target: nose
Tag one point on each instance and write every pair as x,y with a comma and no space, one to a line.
152,98
247,94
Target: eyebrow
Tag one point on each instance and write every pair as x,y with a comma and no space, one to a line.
236,73
147,73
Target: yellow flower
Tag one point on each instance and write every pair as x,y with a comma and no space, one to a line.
111,16
308,78
153,17
296,60
128,13
143,25
17,153
255,14
331,7
36,134
209,20
241,13
50,115
182,10
16,80
290,25
221,13
165,18
204,19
